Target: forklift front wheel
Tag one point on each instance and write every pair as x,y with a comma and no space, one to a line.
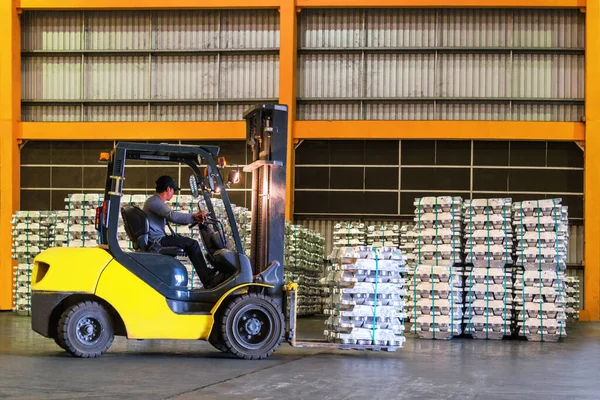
252,326
86,329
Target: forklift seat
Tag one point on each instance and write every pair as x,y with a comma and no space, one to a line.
137,228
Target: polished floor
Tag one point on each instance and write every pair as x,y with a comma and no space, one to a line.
32,367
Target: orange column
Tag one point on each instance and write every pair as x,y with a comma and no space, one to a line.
288,24
10,115
591,284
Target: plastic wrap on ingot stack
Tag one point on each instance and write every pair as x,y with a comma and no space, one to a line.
365,297
488,268
541,231
437,287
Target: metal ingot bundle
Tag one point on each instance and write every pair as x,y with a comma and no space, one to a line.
349,234
365,301
383,235
541,241
573,294
436,288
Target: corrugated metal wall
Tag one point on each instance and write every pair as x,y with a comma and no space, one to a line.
141,66
441,64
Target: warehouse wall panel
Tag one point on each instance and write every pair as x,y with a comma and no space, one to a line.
59,30
185,77
187,30
125,30
219,59
494,58
51,113
400,75
395,111
51,78
400,28
184,112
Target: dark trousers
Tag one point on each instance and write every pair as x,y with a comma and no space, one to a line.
193,251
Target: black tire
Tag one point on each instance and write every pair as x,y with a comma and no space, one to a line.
216,338
252,326
86,329
59,342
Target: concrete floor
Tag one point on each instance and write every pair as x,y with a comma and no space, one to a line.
32,367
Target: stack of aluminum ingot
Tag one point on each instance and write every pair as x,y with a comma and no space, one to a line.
76,223
347,234
573,294
541,231
365,304
408,237
304,254
384,235
437,304
32,232
488,268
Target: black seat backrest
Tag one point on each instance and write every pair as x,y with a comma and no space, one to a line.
136,226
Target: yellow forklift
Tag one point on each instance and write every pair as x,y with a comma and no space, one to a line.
83,297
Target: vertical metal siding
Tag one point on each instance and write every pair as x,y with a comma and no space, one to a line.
400,111
472,111
50,113
118,30
547,112
331,28
185,77
397,27
51,78
330,75
184,112
116,78
549,28
249,29
232,112
249,76
473,75
548,76
328,111
187,30
400,75
106,113
52,30
474,28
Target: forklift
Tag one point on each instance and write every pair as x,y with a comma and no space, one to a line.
84,297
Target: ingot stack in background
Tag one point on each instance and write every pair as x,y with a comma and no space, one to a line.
384,235
541,232
348,234
437,304
303,264
33,232
573,293
365,297
488,268
407,246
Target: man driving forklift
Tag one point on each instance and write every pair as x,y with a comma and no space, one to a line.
159,214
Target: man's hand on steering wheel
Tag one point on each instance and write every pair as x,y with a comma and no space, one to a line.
200,217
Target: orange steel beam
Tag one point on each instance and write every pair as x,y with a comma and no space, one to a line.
463,130
287,89
234,130
144,4
10,114
442,3
591,303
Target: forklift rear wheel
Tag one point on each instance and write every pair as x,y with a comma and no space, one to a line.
86,329
252,326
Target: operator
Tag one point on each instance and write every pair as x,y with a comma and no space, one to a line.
158,213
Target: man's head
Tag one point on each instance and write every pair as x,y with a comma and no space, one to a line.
166,186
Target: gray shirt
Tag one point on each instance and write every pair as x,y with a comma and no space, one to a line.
158,212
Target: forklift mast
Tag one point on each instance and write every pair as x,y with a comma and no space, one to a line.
266,134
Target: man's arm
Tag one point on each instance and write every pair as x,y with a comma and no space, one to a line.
157,206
